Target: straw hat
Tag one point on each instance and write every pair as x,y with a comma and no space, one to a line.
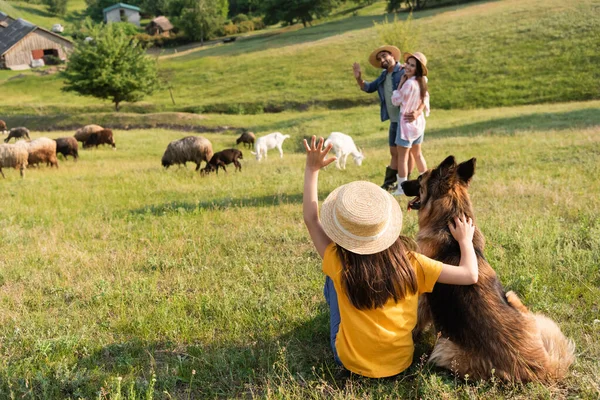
361,217
393,50
419,56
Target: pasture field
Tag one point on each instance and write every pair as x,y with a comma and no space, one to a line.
119,279
487,54
38,13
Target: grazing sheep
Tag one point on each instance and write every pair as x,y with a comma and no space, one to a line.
82,134
104,136
17,133
3,127
190,148
42,150
268,142
223,158
67,146
343,146
13,156
247,138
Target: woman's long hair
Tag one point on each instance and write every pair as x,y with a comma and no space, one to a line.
422,81
370,280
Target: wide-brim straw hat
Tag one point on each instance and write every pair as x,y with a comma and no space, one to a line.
361,217
419,56
393,50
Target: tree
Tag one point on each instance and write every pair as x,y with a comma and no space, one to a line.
111,66
57,7
200,18
292,11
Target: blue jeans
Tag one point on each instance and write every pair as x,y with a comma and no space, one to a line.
334,315
392,133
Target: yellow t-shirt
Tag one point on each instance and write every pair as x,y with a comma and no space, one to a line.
378,343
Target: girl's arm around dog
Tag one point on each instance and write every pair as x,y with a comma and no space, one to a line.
315,160
467,271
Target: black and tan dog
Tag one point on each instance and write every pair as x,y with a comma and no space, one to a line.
484,331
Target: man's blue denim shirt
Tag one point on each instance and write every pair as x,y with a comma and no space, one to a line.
377,84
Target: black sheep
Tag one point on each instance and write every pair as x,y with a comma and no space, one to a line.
223,158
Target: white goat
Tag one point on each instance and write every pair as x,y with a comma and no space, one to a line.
343,146
268,142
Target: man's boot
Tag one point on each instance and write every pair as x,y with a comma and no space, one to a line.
390,180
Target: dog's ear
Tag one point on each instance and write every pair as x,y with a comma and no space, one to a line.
446,165
466,170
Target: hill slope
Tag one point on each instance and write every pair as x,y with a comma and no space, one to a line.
481,55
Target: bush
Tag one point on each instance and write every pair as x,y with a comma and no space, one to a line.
239,18
230,29
258,23
246,26
52,60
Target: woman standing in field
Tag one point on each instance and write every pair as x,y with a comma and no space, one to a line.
374,276
413,98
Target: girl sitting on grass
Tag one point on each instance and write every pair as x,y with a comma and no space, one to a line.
373,275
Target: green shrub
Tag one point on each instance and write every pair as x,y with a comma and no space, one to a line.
239,18
258,23
230,29
246,26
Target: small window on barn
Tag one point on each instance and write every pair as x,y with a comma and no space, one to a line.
51,52
122,15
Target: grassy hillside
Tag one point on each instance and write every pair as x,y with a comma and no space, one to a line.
115,272
481,55
38,13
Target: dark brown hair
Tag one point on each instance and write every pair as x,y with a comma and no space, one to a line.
370,280
419,78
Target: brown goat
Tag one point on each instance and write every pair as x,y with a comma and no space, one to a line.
3,127
67,146
223,158
247,138
105,136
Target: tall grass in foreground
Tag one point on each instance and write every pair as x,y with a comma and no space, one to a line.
119,279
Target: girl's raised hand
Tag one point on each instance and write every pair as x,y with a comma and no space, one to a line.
462,229
315,154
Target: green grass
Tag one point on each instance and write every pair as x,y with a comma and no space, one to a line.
38,13
481,55
114,271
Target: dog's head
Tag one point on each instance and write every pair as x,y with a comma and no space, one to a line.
447,180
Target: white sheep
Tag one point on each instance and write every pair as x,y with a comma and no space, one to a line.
268,142
13,156
343,146
42,150
190,148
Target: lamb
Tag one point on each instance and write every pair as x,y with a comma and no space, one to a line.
270,141
3,127
247,138
42,150
343,146
17,133
190,148
67,146
13,156
222,158
105,136
82,134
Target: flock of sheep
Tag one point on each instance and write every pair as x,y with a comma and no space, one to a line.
43,150
194,149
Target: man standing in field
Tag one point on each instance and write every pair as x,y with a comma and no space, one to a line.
386,57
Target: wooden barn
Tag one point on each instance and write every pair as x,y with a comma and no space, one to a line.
23,45
159,26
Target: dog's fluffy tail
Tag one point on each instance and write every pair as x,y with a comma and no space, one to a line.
515,302
561,351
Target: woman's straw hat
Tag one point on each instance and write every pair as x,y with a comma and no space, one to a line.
393,50
361,217
419,56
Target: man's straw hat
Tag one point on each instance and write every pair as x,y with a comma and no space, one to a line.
419,56
393,50
361,217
